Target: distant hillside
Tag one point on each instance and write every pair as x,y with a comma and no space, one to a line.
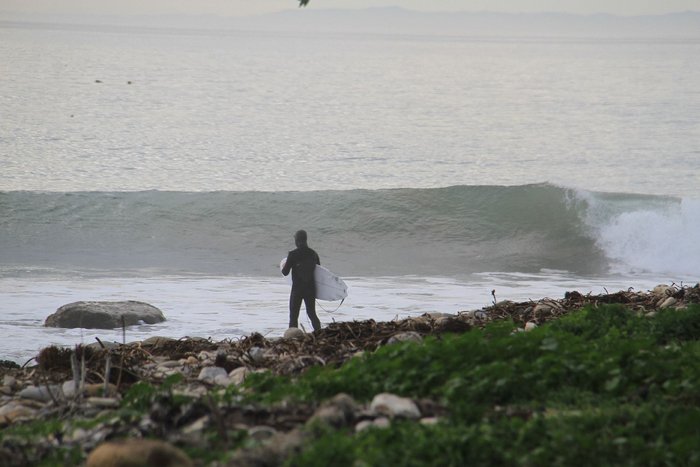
401,21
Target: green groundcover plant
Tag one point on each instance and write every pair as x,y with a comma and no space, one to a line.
602,386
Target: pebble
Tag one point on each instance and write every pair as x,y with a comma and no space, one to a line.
14,411
293,333
380,422
9,381
170,364
395,406
257,354
138,452
41,393
103,402
408,336
214,375
238,375
261,432
197,426
437,315
529,326
156,341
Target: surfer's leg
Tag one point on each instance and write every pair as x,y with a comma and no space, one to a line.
294,307
310,304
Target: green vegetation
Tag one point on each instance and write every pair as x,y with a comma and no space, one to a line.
600,386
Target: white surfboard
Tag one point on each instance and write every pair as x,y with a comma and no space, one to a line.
328,286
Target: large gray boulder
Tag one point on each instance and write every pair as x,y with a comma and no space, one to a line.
104,315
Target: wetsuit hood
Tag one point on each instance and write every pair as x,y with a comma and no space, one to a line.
300,238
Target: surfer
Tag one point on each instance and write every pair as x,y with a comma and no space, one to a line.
302,263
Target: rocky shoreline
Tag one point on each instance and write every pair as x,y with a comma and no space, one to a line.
95,382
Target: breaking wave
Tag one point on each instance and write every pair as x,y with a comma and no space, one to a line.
442,231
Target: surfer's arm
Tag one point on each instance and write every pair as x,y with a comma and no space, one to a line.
288,265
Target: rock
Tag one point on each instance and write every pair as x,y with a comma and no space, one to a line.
257,355
429,421
197,426
337,412
480,315
142,452
669,302
104,315
238,375
206,357
363,425
9,381
451,324
293,333
663,290
109,345
41,393
68,389
395,406
170,364
546,306
529,326
261,433
103,402
437,315
157,341
15,410
409,336
214,375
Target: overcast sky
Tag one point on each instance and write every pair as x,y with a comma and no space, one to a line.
251,7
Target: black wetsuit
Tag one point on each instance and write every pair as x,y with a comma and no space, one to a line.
302,262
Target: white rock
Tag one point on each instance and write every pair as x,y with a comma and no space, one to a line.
394,406
222,380
197,426
669,302
211,373
663,290
238,375
68,389
381,422
529,326
205,355
363,425
41,393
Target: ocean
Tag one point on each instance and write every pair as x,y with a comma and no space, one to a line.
173,166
